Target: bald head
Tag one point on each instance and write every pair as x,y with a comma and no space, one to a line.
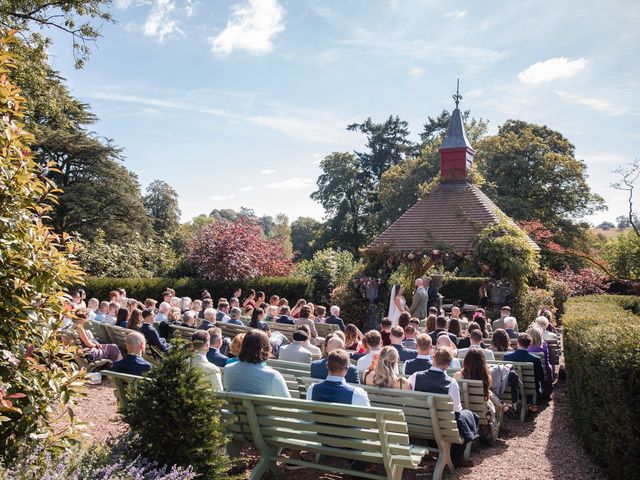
334,343
135,343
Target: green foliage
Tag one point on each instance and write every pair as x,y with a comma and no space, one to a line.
530,301
326,270
403,275
281,230
36,370
561,293
462,288
632,304
623,255
292,288
353,306
305,237
505,252
161,202
176,416
602,354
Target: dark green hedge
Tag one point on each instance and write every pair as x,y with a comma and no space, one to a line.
602,355
292,288
462,288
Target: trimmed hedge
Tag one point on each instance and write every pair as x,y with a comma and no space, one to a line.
292,288
462,288
602,354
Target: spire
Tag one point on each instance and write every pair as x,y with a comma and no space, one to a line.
456,152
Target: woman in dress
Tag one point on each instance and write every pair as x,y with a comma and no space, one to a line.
90,346
397,304
353,338
383,371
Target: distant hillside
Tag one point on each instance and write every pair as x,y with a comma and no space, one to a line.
609,233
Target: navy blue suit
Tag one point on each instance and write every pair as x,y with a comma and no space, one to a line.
333,320
405,353
153,337
285,319
215,357
319,370
522,355
206,325
132,365
434,336
416,365
511,332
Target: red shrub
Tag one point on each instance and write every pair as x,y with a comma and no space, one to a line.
584,282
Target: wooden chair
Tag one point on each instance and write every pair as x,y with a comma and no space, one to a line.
121,382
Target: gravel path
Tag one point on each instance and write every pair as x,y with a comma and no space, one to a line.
542,448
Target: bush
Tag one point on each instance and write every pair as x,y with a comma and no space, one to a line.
176,416
561,293
586,282
353,306
326,270
530,301
623,255
602,354
292,288
36,370
462,288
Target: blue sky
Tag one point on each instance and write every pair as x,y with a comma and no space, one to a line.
234,103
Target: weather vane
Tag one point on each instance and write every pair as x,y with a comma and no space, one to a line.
457,97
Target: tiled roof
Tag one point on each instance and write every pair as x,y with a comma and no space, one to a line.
451,215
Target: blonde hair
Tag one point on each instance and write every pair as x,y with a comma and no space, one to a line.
236,344
384,374
536,335
174,315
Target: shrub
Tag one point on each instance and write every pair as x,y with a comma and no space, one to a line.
326,270
292,288
602,354
176,416
353,306
623,255
530,301
561,293
36,371
462,288
585,282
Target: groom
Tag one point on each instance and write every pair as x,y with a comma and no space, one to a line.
420,304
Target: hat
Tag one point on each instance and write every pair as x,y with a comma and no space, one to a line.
300,336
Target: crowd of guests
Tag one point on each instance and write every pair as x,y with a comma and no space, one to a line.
415,354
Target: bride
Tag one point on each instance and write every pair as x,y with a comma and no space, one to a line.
397,304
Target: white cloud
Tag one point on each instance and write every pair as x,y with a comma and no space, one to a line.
593,103
221,197
160,23
455,14
190,7
252,27
317,158
267,171
295,183
416,72
548,70
248,188
613,159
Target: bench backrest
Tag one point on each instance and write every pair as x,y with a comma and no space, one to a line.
118,335
99,330
121,382
325,329
180,331
293,368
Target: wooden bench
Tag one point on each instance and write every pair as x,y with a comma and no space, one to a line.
325,329
371,435
121,382
99,330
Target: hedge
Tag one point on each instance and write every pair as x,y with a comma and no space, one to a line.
462,288
292,288
602,355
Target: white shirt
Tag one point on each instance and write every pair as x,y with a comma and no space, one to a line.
212,371
312,348
360,397
454,388
488,354
365,362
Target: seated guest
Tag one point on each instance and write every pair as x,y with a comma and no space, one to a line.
234,317
455,313
373,342
445,342
174,317
111,317
435,380
500,341
215,342
522,355
315,351
103,311
90,345
234,348
246,313
122,318
235,302
304,319
543,323
223,310
475,337
423,360
409,337
189,319
196,306
431,322
92,308
321,314
284,316
295,352
383,372
546,313
209,320
354,338
415,321
441,325
482,323
206,303
465,341
295,311
150,333
135,320
511,327
319,367
334,318
505,312
397,334
256,319
251,299
251,374
335,388
404,319
274,300
150,303
163,311
539,345
385,331
454,327
271,313
200,341
133,363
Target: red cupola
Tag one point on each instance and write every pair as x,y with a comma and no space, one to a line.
456,153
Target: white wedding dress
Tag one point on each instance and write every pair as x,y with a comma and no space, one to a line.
394,311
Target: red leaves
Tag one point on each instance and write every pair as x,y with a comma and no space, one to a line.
541,235
584,282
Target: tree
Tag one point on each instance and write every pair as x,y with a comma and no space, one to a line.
341,193
606,226
37,375
305,235
627,183
623,255
281,231
236,251
161,202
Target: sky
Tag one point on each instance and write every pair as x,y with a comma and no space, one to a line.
234,103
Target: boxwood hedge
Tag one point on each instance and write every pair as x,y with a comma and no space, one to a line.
602,354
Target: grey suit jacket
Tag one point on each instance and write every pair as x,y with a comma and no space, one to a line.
419,305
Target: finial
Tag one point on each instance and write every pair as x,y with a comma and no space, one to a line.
457,97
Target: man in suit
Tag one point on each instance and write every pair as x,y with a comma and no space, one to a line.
284,316
511,327
441,325
295,352
522,355
504,313
397,334
209,319
475,337
223,310
214,355
234,319
423,360
432,294
409,337
200,340
334,318
133,363
150,333
319,367
420,302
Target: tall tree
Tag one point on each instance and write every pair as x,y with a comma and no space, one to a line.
161,202
281,230
305,236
